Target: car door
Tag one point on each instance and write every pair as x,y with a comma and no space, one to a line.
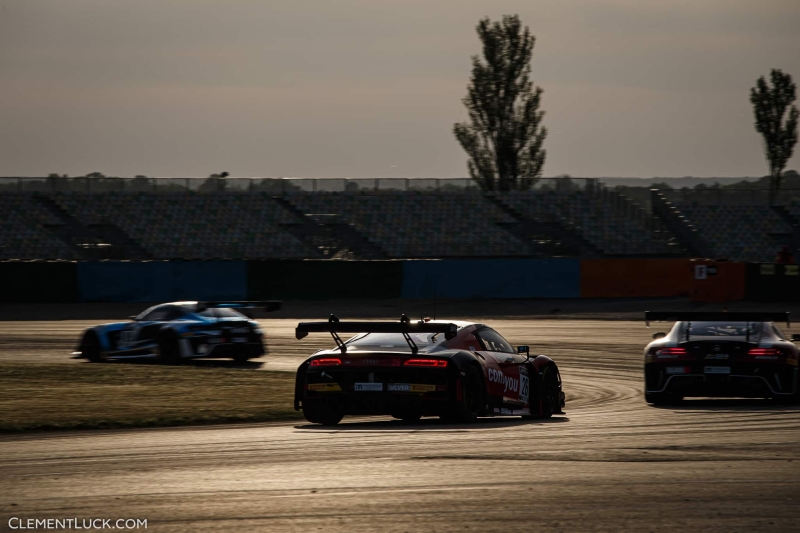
143,332
507,376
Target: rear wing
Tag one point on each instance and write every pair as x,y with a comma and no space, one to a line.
404,326
714,316
267,305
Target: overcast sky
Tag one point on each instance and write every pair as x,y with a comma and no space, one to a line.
371,88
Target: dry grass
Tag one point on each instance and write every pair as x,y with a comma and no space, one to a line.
71,396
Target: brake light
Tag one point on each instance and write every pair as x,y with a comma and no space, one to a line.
330,361
764,351
430,363
671,351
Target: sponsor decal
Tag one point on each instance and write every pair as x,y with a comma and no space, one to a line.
410,387
506,411
324,387
524,384
678,369
508,383
368,387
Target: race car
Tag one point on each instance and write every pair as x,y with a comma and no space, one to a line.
455,370
720,354
175,331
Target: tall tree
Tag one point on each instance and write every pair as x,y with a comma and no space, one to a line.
769,106
504,136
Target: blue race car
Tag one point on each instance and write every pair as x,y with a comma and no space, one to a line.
175,331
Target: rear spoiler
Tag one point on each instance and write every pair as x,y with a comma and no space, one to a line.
404,326
268,305
714,316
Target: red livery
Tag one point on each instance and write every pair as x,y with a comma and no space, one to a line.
457,371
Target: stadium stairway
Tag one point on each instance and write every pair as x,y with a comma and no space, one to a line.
547,238
330,235
687,234
98,241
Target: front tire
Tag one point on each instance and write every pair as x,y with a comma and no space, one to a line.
91,348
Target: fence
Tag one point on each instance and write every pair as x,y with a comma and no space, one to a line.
267,185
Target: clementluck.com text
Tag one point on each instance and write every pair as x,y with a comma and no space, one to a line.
15,523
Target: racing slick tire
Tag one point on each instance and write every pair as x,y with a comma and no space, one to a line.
91,348
551,400
662,398
169,351
321,413
472,401
241,358
408,416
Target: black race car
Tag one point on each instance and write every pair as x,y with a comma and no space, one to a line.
410,369
720,354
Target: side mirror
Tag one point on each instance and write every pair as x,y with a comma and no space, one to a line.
659,335
523,349
132,317
796,337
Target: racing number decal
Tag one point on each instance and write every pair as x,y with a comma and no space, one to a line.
524,385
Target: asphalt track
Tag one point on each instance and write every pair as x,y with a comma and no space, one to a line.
611,464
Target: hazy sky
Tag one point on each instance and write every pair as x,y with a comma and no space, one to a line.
371,88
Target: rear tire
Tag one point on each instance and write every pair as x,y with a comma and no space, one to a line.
408,416
662,398
469,408
320,413
91,348
241,358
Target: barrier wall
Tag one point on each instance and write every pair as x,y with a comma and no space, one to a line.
324,279
159,281
635,278
62,282
492,278
771,282
715,281
38,283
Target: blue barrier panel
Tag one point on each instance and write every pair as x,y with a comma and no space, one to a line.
492,278
162,281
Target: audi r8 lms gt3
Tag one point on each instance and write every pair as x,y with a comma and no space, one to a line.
174,331
455,370
720,354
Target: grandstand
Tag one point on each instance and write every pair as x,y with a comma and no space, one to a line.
171,219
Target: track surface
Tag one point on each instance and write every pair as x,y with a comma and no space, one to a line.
612,464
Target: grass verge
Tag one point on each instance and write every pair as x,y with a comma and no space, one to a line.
76,396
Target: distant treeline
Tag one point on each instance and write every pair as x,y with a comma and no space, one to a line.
790,189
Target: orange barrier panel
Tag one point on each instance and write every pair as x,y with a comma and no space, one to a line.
631,278
714,281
